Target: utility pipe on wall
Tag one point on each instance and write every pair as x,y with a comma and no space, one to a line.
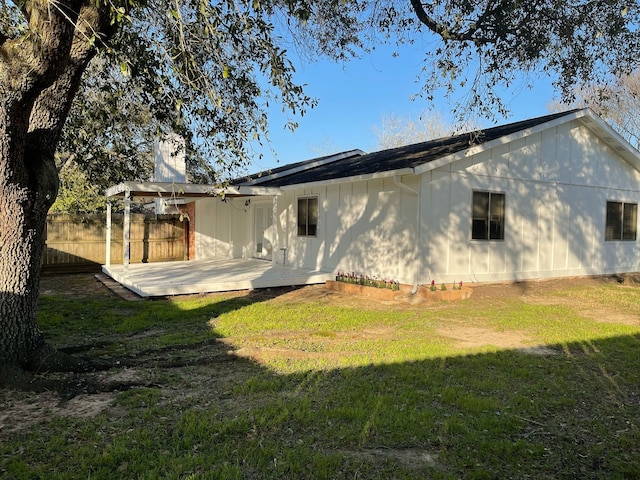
407,188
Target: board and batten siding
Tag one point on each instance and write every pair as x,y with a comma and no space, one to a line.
367,227
223,228
227,229
556,185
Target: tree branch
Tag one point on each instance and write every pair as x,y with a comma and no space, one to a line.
447,34
427,20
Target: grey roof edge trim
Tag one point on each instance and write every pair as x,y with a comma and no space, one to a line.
612,138
160,189
355,178
476,149
307,166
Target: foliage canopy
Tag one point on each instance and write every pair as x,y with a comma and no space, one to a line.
209,70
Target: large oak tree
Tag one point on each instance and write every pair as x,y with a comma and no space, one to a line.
211,68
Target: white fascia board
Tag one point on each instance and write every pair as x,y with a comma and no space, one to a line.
356,178
306,166
250,190
476,149
163,189
115,190
612,138
159,188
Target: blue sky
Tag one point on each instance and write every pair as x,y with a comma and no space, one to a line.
355,96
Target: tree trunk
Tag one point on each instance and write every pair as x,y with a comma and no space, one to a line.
24,201
39,76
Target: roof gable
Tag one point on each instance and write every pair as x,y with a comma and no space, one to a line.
395,160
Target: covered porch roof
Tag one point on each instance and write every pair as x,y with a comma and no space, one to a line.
185,190
204,276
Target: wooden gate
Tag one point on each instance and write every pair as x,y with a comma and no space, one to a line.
76,243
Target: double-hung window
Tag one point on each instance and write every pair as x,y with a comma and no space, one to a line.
307,216
487,221
621,221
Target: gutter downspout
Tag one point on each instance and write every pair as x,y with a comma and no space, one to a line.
407,188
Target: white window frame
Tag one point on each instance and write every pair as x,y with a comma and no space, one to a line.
622,236
489,219
306,226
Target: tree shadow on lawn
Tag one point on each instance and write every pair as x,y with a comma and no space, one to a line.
84,336
506,414
190,410
179,400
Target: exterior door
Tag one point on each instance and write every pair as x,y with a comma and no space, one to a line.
263,223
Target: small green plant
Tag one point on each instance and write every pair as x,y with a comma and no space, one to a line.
443,288
433,286
367,281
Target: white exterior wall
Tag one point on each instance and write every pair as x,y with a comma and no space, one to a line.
368,227
223,230
556,186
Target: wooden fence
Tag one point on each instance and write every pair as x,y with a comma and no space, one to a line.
78,243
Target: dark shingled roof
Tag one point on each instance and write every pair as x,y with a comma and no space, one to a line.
254,178
409,156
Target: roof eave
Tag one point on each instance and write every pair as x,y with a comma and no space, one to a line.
476,149
182,190
586,116
355,178
306,166
612,138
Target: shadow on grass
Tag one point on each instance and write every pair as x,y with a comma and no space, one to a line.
155,333
87,333
572,413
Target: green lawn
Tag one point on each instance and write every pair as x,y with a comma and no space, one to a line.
320,388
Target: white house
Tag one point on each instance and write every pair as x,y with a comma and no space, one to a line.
548,197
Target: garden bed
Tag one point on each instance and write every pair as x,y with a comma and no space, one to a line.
424,292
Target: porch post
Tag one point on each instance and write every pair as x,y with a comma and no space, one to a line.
107,253
126,244
274,222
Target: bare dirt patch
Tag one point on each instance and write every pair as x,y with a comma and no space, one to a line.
412,459
80,285
469,337
33,409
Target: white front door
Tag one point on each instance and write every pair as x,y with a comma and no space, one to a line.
262,228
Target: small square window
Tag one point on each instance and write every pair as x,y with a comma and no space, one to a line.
487,216
308,216
621,221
